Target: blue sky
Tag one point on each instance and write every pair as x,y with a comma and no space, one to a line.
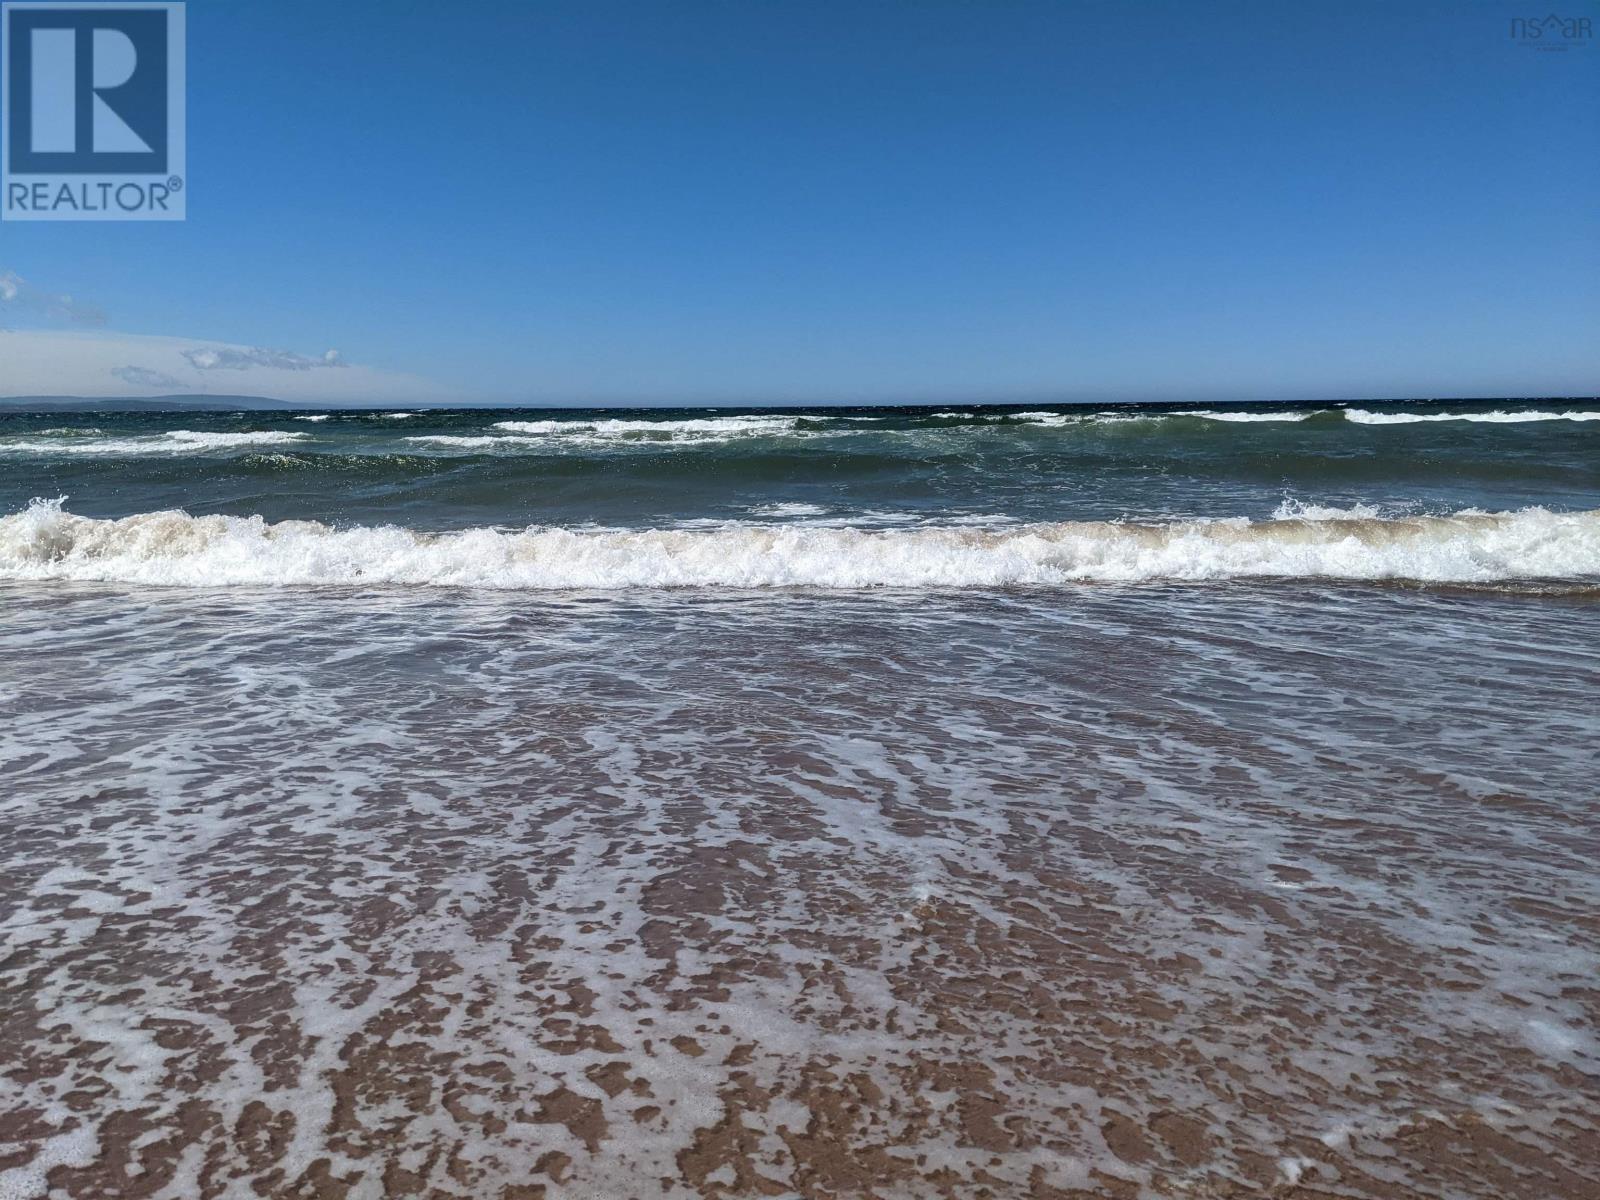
868,200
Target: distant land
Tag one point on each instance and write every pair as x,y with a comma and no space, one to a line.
146,403
228,403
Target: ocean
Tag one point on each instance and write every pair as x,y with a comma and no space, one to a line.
1126,801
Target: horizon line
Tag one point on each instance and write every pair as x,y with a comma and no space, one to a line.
198,401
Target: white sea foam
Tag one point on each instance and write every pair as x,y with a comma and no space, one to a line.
468,441
1292,509
86,446
540,427
346,883
1212,414
177,441
314,417
74,1144
46,542
203,440
536,436
1045,418
1362,416
789,509
1294,1167
738,425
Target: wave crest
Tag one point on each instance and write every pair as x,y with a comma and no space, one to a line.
173,441
173,548
1363,416
737,425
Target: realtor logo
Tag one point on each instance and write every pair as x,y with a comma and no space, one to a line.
92,112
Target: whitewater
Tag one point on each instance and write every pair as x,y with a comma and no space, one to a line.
173,548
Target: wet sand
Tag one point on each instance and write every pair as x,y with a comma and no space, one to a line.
1160,892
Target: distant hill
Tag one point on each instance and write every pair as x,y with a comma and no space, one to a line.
144,403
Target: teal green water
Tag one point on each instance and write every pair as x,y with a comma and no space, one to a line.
456,469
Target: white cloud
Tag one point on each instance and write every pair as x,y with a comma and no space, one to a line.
62,362
242,358
42,361
18,295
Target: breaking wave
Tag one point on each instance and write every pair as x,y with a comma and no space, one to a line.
1362,416
172,548
176,441
1215,415
470,442
618,427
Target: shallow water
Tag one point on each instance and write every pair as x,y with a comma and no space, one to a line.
1171,889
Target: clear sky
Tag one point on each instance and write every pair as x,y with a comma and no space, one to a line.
793,200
